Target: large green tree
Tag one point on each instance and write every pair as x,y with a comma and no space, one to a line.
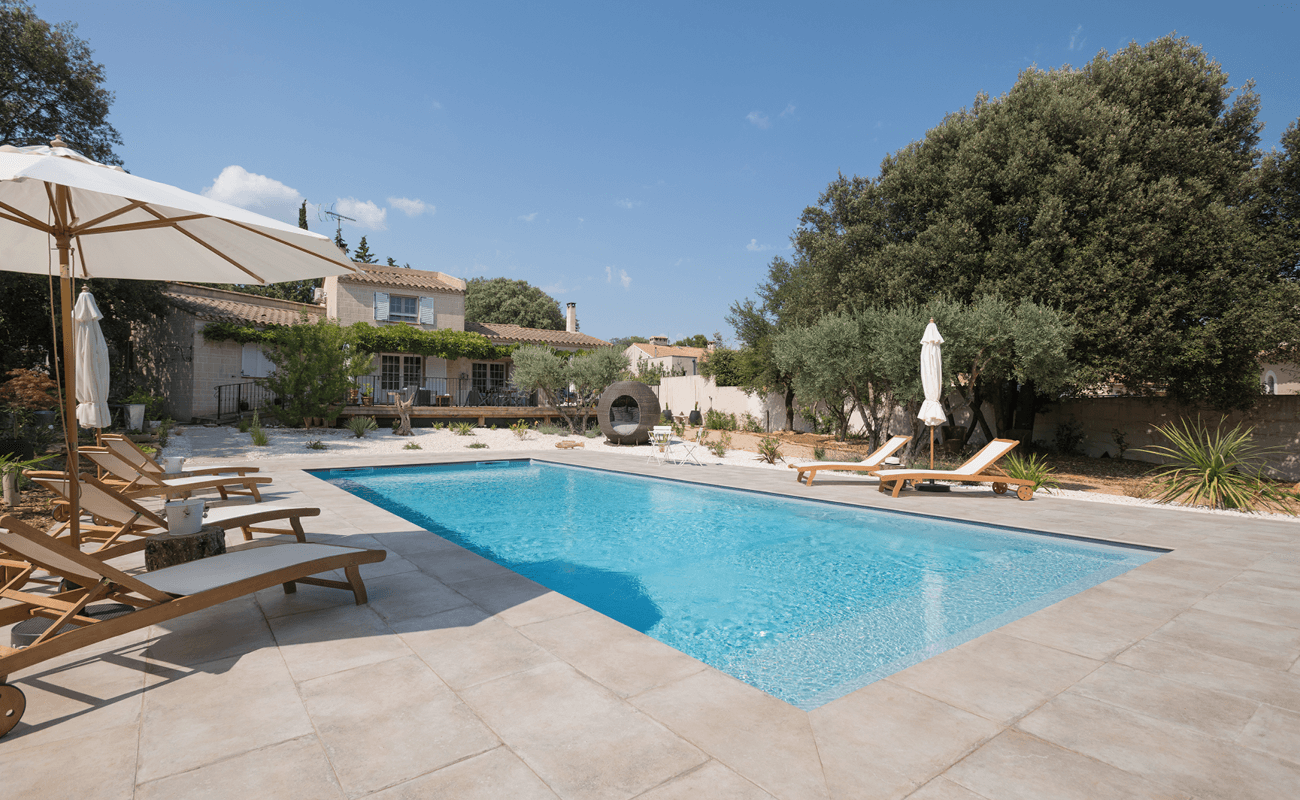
551,373
50,85
314,368
511,302
1119,193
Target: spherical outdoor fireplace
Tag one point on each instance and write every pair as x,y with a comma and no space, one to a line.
627,411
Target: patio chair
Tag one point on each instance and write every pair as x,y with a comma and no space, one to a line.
661,437
473,398
688,448
807,472
122,525
134,483
155,596
131,453
974,470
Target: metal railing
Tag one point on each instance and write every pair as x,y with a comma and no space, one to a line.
235,398
454,392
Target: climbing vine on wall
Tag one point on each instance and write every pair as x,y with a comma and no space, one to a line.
444,343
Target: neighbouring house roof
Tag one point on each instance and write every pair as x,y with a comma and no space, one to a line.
221,305
501,333
662,351
386,277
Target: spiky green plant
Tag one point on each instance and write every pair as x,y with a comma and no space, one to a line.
719,448
769,450
1221,469
317,445
463,428
1032,467
260,439
360,426
412,446
477,445
520,429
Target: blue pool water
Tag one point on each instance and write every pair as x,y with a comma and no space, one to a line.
807,601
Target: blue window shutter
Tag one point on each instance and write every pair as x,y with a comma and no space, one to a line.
381,305
427,315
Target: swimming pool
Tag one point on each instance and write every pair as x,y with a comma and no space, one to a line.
805,600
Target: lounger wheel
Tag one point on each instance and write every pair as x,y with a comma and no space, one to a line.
60,510
1025,492
999,488
12,705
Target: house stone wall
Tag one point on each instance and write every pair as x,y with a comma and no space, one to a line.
175,362
349,303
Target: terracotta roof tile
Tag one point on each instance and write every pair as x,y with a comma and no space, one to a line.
501,333
661,351
402,278
225,309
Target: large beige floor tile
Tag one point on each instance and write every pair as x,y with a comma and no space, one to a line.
1208,711
1210,671
412,594
494,775
225,708
212,634
997,676
1274,730
713,781
453,565
1014,766
885,741
516,600
1254,604
98,766
621,659
943,789
291,770
1135,594
466,647
581,739
1168,755
1260,643
387,723
764,739
324,642
1084,626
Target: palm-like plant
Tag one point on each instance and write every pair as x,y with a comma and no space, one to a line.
1222,469
1031,468
360,426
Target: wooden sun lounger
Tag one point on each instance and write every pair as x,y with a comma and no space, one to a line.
131,453
156,596
134,483
122,525
973,470
871,462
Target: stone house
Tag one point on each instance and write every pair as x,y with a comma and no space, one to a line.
673,360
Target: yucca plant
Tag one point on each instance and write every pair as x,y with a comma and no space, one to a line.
769,450
360,426
463,429
1032,467
412,446
1221,469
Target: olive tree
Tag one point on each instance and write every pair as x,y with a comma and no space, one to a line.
551,374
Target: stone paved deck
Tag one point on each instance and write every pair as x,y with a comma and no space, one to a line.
462,679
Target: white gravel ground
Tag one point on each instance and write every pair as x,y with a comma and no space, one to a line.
202,444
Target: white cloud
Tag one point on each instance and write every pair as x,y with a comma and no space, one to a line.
411,208
789,110
365,213
759,120
609,274
624,278
436,105
755,247
239,187
527,217
627,203
1076,39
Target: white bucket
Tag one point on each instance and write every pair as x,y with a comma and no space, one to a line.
135,416
173,464
185,516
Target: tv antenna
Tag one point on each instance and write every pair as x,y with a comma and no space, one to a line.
330,213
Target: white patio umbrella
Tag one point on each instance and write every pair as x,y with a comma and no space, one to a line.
92,363
932,412
117,225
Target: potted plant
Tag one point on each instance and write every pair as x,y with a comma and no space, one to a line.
695,418
367,395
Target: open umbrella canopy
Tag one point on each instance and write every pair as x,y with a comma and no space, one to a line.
92,364
125,226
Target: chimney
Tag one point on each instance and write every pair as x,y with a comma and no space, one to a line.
660,341
571,318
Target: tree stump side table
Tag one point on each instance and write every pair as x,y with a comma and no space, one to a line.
167,550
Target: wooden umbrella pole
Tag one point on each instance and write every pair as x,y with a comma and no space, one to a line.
932,449
64,243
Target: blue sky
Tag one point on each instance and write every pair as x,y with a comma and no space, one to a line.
644,161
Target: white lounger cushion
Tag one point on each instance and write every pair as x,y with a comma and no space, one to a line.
231,514
208,573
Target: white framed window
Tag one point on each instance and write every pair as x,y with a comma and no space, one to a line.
402,308
1270,383
488,376
253,362
399,372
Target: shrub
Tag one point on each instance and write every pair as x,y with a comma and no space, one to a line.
549,429
1031,468
164,432
769,450
1069,435
592,433
716,420
751,423
244,425
260,438
1220,469
412,446
719,448
819,453
317,445
1121,441
476,445
360,426
463,429
520,429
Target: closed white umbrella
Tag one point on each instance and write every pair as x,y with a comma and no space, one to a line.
118,225
92,363
932,412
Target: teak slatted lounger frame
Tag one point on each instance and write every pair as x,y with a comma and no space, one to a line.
122,525
131,482
157,596
131,453
973,470
867,464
